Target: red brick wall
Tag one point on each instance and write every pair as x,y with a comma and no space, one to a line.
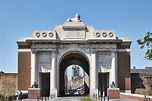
124,82
24,70
127,84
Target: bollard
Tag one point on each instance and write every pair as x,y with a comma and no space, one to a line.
96,96
103,98
45,98
146,98
37,98
107,98
41,98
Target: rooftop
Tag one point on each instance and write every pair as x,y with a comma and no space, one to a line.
147,70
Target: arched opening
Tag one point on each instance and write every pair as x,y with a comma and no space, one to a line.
73,59
74,77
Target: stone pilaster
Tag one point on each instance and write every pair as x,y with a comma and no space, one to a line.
94,71
113,72
33,68
53,74
94,77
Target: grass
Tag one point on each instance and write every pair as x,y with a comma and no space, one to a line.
86,99
4,99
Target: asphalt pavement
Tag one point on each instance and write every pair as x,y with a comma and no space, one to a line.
74,98
79,99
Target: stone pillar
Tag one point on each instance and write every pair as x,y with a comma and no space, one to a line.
94,77
113,72
53,77
33,68
94,71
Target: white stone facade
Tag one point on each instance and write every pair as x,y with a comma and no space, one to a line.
49,47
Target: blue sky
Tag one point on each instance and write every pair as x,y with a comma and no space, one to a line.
131,18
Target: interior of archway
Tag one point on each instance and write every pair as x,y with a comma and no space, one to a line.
73,59
74,80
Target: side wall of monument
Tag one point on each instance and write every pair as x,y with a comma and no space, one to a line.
124,82
24,70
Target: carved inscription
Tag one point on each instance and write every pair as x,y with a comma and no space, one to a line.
44,61
103,59
74,29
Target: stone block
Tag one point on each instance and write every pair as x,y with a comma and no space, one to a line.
53,93
33,93
94,93
113,93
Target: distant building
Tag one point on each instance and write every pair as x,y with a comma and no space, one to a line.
75,71
76,82
141,81
66,80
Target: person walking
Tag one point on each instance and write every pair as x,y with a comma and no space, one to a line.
19,95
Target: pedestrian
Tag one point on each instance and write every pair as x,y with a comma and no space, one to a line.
19,95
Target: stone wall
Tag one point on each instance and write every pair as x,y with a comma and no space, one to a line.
8,83
135,97
141,83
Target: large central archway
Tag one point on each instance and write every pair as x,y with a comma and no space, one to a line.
75,58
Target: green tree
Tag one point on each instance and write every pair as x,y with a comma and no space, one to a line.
146,41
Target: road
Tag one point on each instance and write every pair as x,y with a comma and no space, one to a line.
72,98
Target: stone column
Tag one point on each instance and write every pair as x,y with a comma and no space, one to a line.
53,76
33,67
53,71
94,77
113,72
94,71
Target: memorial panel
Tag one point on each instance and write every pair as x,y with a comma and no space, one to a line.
44,61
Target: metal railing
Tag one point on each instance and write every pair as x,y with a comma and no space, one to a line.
146,98
44,98
103,98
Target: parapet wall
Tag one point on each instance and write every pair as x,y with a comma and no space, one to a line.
136,97
8,83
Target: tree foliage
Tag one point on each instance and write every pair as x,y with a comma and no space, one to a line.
146,41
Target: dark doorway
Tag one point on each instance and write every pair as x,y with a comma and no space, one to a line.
103,83
45,84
